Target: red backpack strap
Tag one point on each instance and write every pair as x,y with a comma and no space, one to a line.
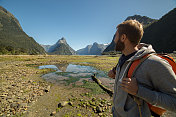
135,65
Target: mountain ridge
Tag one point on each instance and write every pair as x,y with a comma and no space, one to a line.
144,20
13,40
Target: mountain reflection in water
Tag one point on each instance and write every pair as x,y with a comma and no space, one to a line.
77,72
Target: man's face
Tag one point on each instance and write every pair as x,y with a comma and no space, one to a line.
119,44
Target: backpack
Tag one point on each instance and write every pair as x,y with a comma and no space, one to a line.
137,63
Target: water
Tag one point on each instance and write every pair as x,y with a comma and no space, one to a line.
71,73
74,70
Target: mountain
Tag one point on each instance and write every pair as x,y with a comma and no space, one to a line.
146,21
95,49
13,40
59,48
162,34
46,47
84,51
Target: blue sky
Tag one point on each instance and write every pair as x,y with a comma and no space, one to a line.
81,22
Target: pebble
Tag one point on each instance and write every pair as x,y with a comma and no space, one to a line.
23,105
10,101
98,109
53,113
62,104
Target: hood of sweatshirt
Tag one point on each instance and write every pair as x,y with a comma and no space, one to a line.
144,49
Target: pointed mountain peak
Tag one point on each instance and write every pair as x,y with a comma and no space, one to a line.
95,43
61,48
62,40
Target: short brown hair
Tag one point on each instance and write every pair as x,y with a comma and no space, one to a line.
133,30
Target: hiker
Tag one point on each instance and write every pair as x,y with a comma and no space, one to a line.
153,82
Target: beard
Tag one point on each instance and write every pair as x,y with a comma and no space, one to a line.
119,46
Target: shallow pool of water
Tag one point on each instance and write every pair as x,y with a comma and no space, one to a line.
71,73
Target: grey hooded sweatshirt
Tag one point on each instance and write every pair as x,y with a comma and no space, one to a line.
156,85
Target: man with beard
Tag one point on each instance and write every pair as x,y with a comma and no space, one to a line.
154,81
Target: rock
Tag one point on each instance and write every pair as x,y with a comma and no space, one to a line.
13,96
30,81
24,111
21,91
106,107
19,101
100,114
8,107
3,95
53,113
92,103
103,109
98,109
47,89
70,103
23,98
102,102
62,104
3,109
10,100
23,105
101,105
93,99
109,104
34,95
19,94
84,105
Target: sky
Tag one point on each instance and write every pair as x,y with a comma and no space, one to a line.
80,22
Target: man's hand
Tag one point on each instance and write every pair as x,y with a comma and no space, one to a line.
111,74
130,85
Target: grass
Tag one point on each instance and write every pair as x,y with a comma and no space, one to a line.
95,89
104,63
64,73
47,70
71,80
32,65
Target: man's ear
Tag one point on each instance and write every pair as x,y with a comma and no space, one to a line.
123,37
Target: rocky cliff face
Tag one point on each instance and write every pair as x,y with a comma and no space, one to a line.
60,48
95,49
13,40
